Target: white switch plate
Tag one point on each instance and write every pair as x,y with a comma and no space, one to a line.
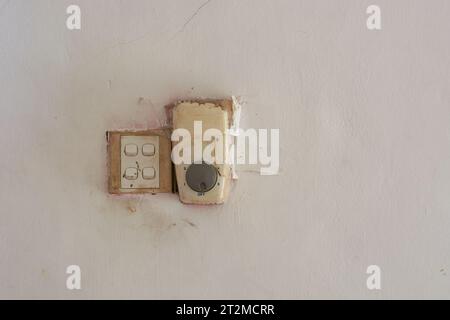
132,165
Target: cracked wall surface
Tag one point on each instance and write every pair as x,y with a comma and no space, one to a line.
364,148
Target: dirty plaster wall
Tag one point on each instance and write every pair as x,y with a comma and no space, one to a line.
364,144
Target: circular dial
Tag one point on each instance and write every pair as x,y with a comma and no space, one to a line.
201,177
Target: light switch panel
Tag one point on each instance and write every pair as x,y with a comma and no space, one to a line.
139,161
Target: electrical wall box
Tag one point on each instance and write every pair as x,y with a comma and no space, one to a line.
139,161
200,181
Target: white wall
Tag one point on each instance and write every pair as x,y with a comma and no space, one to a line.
365,158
